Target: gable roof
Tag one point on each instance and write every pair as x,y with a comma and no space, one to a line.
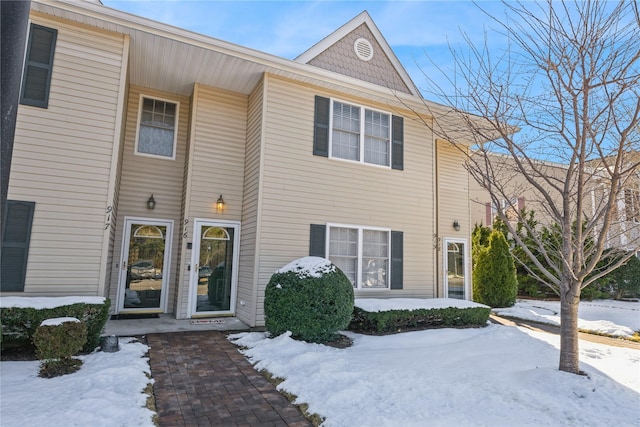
360,25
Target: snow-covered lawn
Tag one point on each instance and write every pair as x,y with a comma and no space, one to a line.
493,376
106,391
498,376
619,318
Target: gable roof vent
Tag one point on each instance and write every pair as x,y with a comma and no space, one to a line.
363,49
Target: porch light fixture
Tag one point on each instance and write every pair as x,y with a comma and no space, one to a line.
456,225
220,204
151,203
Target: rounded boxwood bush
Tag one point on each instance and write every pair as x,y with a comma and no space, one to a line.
310,297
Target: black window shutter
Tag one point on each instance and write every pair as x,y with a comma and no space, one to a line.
396,259
317,240
38,66
397,143
321,127
16,235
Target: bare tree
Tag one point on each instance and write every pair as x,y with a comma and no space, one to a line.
566,89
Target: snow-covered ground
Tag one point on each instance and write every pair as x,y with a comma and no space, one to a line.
493,376
619,318
498,376
106,391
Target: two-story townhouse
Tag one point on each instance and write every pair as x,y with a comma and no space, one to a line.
513,191
175,173
518,193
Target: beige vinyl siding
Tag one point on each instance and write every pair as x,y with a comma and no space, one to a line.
300,189
183,268
62,161
250,211
142,176
454,203
219,127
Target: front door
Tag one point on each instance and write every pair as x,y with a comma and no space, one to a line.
144,263
455,266
214,267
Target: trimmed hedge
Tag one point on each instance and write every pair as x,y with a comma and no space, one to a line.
59,341
19,324
392,321
314,309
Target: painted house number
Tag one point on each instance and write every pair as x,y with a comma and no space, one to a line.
107,222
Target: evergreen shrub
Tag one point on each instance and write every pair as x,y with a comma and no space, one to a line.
310,297
20,323
392,321
56,340
494,275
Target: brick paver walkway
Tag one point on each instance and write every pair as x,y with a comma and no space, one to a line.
202,380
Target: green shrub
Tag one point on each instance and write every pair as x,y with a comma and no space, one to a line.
593,291
59,341
392,321
56,340
494,277
624,282
311,298
19,324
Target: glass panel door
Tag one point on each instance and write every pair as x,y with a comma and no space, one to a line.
214,276
455,270
144,260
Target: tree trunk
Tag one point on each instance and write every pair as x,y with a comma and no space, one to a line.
569,356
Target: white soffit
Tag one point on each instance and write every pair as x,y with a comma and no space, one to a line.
172,59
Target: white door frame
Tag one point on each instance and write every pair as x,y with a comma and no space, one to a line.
124,255
195,260
445,263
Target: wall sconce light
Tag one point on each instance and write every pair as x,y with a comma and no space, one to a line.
220,204
456,225
151,203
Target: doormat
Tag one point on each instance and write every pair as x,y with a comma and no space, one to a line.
207,321
134,316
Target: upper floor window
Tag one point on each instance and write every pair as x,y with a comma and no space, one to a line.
632,204
38,66
510,208
362,254
360,134
157,128
352,132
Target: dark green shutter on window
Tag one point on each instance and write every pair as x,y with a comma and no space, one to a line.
397,143
317,240
396,259
321,127
38,66
15,245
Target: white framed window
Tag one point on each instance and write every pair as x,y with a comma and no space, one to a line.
632,204
360,134
362,253
157,130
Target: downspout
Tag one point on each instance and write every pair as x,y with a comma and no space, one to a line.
436,215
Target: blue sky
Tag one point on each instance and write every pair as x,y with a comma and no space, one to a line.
288,28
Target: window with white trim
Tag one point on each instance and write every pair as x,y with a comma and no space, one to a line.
360,134
632,204
157,128
363,255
